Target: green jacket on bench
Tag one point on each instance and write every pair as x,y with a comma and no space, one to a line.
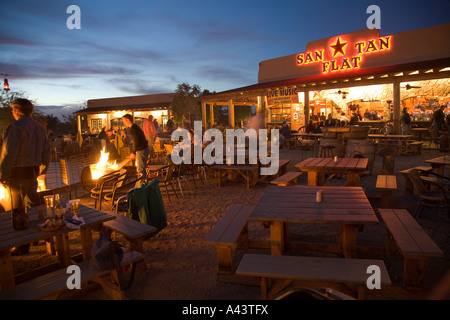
145,204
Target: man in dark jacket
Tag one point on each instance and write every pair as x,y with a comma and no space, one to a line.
25,157
140,150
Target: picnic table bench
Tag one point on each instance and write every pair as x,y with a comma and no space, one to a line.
134,231
287,179
415,147
277,272
227,233
386,183
51,285
406,235
249,173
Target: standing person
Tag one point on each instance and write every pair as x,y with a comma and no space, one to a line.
149,132
25,157
439,119
405,122
140,149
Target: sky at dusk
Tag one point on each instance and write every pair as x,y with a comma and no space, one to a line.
127,48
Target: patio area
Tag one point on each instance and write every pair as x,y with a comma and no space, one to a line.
179,256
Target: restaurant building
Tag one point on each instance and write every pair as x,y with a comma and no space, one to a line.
108,112
361,71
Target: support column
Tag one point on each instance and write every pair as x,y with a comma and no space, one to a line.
306,108
259,105
211,113
204,115
231,113
79,122
397,107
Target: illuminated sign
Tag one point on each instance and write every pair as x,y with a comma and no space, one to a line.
282,96
342,54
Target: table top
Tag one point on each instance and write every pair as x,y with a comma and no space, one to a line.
297,204
390,136
439,160
12,238
328,164
419,129
304,134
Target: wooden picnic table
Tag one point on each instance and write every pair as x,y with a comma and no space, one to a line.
10,238
419,132
348,207
309,136
401,139
317,167
249,173
439,164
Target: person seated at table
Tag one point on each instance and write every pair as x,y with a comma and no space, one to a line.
310,128
320,125
285,133
330,122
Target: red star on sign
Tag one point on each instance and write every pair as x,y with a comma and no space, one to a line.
338,47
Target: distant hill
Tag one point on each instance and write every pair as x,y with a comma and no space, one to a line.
58,111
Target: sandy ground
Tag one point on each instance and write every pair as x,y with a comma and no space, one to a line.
180,265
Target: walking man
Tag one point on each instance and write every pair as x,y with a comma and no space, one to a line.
140,149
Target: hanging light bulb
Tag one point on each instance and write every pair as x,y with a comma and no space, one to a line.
6,85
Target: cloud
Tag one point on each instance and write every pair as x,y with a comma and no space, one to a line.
17,41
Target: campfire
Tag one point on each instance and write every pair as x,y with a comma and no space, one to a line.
104,166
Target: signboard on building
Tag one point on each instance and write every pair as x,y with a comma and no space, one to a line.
282,96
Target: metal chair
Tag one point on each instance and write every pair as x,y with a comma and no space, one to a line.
168,180
106,184
120,192
429,198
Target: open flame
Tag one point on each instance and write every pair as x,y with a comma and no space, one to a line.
3,192
103,166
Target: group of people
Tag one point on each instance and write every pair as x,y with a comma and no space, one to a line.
316,127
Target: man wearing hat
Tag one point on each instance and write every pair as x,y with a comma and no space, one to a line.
25,156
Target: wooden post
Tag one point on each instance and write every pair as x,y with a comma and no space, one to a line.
204,114
306,108
211,113
231,113
396,106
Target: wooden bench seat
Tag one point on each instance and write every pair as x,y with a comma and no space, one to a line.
133,231
287,179
409,187
406,235
415,147
282,166
249,173
386,183
276,272
227,233
51,285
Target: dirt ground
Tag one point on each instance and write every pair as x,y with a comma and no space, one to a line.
181,266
